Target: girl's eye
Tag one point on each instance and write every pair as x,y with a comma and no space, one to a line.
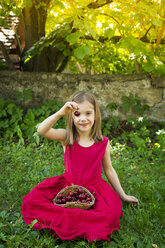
76,113
89,113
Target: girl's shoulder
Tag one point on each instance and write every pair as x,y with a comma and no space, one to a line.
105,139
106,142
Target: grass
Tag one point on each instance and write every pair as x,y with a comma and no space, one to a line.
141,173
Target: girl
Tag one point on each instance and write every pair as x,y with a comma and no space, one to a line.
86,151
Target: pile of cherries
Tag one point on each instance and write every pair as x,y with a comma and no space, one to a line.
78,196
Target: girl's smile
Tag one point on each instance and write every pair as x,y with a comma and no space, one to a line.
84,125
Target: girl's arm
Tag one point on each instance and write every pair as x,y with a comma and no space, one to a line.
45,127
113,178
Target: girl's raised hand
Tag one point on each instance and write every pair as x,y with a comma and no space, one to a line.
131,199
68,107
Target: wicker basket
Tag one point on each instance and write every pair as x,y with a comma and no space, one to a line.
73,204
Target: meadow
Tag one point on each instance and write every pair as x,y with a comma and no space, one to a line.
137,156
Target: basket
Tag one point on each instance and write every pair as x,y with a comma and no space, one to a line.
74,204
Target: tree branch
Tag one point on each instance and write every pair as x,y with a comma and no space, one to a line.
158,42
137,66
144,38
110,17
102,39
63,65
117,38
96,5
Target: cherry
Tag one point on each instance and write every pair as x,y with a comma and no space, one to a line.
58,201
83,196
75,193
68,198
71,193
63,200
77,113
80,190
60,196
80,196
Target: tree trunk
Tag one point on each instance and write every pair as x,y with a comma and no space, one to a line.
34,22
50,59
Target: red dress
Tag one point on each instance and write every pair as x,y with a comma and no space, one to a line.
83,166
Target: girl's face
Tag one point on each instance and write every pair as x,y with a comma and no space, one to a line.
85,118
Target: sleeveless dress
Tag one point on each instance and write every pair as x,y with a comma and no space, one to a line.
83,166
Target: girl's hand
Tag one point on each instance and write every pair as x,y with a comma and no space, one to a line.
131,199
68,107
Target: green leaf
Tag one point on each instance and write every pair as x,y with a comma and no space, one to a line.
148,67
157,22
10,108
32,224
17,94
101,1
126,106
4,124
73,38
67,52
27,95
68,20
82,51
3,113
112,106
27,3
29,118
140,244
3,237
2,102
58,4
19,132
60,46
109,33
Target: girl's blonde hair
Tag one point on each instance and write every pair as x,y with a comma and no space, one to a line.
72,133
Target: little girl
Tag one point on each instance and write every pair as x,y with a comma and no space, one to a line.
86,151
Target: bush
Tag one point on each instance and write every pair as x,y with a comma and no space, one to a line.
16,122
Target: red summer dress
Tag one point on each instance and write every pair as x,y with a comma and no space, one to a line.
83,166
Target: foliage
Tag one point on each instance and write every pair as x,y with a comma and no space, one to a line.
2,66
15,121
103,36
103,58
134,105
8,7
117,36
136,131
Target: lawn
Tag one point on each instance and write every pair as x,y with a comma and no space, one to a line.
141,172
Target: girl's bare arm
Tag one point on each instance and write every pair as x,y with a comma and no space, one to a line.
45,127
113,178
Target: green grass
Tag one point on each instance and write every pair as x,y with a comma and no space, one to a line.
141,173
